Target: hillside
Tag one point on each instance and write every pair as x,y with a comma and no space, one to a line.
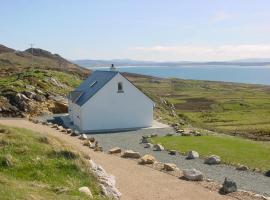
35,166
12,61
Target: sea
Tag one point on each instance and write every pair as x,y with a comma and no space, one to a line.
237,74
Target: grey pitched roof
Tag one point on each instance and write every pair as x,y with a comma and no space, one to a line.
91,86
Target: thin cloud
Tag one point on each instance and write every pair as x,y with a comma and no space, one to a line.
202,53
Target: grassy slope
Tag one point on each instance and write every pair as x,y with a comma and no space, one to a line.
42,168
232,150
226,107
40,79
11,63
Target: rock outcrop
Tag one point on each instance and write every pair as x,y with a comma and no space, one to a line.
107,181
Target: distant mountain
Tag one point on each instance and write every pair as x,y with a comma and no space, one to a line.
13,61
261,60
128,62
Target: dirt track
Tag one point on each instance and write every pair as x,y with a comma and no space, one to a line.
134,181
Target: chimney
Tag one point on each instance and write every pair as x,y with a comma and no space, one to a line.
113,67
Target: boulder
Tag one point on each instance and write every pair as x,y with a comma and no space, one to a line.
92,145
228,186
63,130
54,126
115,150
242,168
29,94
148,145
60,128
193,175
192,155
267,173
49,123
131,154
147,159
172,152
158,147
86,143
212,160
169,166
86,191
92,139
40,98
75,133
69,131
83,137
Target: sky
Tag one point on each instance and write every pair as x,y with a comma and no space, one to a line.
157,30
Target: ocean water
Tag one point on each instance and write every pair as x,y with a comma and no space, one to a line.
238,74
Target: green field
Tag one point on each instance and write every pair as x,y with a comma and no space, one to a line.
232,150
38,167
236,109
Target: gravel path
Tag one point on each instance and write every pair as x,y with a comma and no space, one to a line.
246,180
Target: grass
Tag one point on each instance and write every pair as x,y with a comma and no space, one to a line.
38,167
40,78
232,108
233,150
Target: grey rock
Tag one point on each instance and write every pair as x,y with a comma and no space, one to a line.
40,98
158,147
83,137
192,155
228,186
193,175
212,160
148,145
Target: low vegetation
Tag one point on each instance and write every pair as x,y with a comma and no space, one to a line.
232,150
37,167
236,109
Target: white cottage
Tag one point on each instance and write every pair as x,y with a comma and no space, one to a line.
107,101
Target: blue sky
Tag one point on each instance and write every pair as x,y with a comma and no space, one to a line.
160,30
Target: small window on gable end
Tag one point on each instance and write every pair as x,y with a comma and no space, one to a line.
120,87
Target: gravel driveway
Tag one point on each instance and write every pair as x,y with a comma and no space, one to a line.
246,180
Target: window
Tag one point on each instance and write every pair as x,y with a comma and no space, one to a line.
120,87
